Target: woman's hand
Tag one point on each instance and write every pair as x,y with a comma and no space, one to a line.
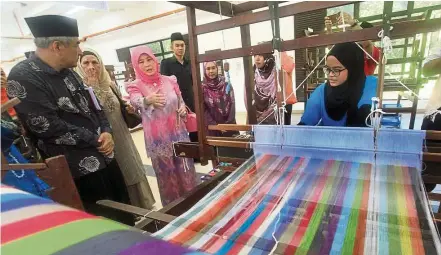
182,111
155,99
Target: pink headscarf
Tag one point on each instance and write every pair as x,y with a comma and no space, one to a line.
135,55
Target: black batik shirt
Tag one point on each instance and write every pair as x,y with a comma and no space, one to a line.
59,114
171,66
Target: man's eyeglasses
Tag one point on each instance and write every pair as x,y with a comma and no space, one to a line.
336,72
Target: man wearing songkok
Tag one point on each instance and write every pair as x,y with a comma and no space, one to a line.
63,116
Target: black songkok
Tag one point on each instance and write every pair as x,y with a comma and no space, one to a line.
176,37
52,25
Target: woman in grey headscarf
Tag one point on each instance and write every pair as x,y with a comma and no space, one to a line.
94,74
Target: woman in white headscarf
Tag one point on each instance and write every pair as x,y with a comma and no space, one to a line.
92,70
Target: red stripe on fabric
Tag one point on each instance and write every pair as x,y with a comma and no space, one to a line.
414,224
33,225
316,194
362,217
236,221
243,239
241,186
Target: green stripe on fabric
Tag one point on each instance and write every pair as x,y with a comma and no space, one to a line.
393,223
351,230
316,219
56,239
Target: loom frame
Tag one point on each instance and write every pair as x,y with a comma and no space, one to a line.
206,147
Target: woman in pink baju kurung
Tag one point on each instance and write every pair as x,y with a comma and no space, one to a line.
163,114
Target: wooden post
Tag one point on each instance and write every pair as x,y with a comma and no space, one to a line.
58,176
249,75
196,77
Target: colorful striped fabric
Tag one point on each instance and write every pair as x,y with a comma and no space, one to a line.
32,225
310,206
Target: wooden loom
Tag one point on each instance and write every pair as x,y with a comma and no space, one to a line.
54,171
206,147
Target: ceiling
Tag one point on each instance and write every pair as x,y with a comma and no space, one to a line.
92,17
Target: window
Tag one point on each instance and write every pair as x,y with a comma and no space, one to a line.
345,8
419,4
156,47
166,45
399,6
371,8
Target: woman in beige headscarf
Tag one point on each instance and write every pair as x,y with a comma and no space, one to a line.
91,69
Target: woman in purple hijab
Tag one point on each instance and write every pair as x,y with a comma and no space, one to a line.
218,100
265,89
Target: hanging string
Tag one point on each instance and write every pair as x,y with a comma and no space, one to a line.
222,31
13,172
388,47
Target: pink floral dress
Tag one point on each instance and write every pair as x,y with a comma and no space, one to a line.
176,176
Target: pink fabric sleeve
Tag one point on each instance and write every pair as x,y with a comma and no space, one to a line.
174,82
137,98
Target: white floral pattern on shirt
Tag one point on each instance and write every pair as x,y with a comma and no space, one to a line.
66,139
38,124
15,89
90,164
69,84
65,104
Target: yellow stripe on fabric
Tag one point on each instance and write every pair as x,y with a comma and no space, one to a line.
61,237
405,235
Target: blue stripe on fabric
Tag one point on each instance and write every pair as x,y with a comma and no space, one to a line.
13,196
262,205
26,202
291,206
340,233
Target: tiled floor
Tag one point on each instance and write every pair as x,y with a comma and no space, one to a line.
138,138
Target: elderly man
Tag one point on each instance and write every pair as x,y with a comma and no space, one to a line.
64,117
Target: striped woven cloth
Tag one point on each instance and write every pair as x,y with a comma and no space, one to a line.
285,205
32,225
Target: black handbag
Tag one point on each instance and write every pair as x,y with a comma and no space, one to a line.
132,119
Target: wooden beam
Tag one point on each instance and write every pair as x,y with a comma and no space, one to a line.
251,6
249,75
433,135
227,8
400,30
137,211
432,157
31,166
196,77
230,127
57,175
234,144
10,103
251,18
191,150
